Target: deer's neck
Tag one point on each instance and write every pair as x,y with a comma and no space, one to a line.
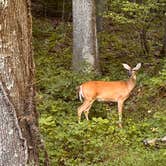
131,82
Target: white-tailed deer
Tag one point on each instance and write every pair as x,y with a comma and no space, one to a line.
114,91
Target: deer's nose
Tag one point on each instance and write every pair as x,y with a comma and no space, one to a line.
129,73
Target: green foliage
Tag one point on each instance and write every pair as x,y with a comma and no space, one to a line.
98,141
125,12
141,19
160,80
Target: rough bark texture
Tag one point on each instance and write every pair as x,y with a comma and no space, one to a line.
85,50
18,117
13,147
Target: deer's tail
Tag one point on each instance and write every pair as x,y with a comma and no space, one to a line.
79,92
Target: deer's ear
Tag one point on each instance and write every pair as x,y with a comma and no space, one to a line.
126,66
137,66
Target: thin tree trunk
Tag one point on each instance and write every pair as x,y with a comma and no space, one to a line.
63,11
100,4
143,40
17,85
85,49
143,37
163,50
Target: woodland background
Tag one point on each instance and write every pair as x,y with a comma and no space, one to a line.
128,32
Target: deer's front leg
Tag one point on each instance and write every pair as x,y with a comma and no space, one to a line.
120,110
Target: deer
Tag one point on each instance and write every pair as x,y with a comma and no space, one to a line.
107,91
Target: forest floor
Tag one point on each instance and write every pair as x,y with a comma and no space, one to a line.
98,141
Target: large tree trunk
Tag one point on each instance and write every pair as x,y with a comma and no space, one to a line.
85,50
18,117
13,147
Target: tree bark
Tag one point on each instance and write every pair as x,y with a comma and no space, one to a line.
18,117
13,147
85,49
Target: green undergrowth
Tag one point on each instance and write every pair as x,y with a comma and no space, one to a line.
98,141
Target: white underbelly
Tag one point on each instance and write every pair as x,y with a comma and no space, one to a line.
106,100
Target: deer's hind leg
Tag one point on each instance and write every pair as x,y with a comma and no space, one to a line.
84,108
86,112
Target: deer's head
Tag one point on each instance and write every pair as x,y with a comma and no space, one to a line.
132,71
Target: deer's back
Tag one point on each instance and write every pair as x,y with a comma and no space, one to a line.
105,91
